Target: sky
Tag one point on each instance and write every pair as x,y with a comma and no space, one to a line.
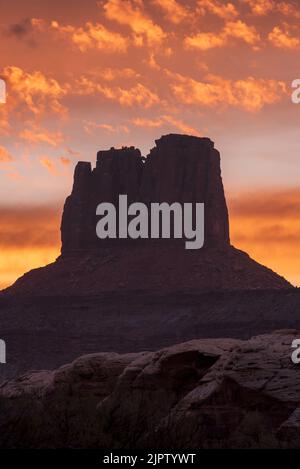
85,76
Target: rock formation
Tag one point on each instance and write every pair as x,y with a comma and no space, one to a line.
214,393
179,168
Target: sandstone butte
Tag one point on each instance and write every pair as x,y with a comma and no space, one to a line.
179,168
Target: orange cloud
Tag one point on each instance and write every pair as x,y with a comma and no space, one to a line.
174,11
249,94
42,136
72,152
260,7
226,11
90,127
163,120
15,176
29,226
269,219
34,90
131,14
93,36
278,204
205,41
232,30
240,30
136,95
288,9
65,161
15,262
48,164
4,121
283,39
29,238
5,156
265,7
111,74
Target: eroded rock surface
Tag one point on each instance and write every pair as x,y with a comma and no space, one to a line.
203,393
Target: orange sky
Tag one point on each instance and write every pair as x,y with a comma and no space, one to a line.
92,75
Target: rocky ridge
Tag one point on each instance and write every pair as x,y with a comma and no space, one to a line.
224,393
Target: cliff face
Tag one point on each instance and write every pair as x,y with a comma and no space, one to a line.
116,172
178,169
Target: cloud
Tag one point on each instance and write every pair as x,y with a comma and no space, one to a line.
5,156
16,176
265,7
283,39
92,36
21,29
42,136
29,238
4,120
174,11
232,30
152,63
35,91
65,161
138,94
48,164
288,9
130,13
163,121
223,10
240,30
72,152
205,41
267,205
111,74
29,226
268,218
90,127
260,7
249,94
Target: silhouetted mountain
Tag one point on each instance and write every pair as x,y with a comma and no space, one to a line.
179,168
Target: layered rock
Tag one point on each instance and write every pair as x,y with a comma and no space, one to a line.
179,169
187,169
221,393
116,172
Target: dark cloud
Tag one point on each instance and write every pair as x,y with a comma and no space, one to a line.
264,204
29,227
22,31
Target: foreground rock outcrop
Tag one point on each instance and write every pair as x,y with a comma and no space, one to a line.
204,393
